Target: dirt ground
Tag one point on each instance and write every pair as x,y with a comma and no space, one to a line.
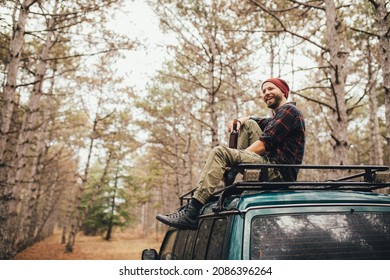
123,246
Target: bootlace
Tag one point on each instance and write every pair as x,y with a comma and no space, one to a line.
180,213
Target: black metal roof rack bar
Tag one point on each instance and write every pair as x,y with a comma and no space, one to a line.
343,183
369,170
186,197
306,166
312,185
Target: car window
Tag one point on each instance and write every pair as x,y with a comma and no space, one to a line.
210,239
216,242
202,239
189,245
167,246
180,244
321,236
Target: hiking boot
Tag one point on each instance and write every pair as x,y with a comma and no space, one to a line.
185,218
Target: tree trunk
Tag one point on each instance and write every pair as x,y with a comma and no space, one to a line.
212,86
144,218
338,76
384,46
113,205
8,206
31,143
67,221
10,85
376,153
188,164
177,166
29,216
76,223
112,213
39,220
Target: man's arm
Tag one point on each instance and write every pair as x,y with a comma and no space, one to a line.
257,147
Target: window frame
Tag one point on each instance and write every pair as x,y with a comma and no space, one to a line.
186,242
300,210
208,238
170,234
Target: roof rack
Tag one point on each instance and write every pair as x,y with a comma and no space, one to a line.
256,178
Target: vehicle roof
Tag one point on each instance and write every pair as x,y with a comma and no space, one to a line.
256,190
266,198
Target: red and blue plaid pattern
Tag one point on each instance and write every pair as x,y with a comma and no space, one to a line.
284,137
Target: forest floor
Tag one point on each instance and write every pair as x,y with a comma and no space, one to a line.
123,246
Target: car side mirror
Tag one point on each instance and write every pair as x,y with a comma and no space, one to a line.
149,254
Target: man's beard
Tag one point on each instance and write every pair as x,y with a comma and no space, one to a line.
276,103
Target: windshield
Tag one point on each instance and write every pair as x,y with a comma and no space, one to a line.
321,236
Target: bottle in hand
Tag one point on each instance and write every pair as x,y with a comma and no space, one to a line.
234,136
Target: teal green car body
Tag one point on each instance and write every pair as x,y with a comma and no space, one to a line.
247,221
293,202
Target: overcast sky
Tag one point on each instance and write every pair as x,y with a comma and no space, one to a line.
137,20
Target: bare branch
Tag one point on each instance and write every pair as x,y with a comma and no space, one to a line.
312,99
284,28
201,121
88,54
307,5
365,32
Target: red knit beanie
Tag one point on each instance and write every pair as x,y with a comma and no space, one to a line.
281,84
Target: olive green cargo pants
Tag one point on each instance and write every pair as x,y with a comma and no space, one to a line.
222,157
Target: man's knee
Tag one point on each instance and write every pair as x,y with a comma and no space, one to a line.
251,125
219,150
223,154
222,151
250,122
216,149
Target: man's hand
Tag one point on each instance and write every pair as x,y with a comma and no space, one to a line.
230,126
240,122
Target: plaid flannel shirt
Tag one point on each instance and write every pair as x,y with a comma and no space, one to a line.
284,138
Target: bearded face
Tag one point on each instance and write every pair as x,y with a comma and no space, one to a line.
272,95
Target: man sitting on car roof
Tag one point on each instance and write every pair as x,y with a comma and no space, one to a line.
276,140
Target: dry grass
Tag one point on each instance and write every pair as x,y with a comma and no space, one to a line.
123,246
